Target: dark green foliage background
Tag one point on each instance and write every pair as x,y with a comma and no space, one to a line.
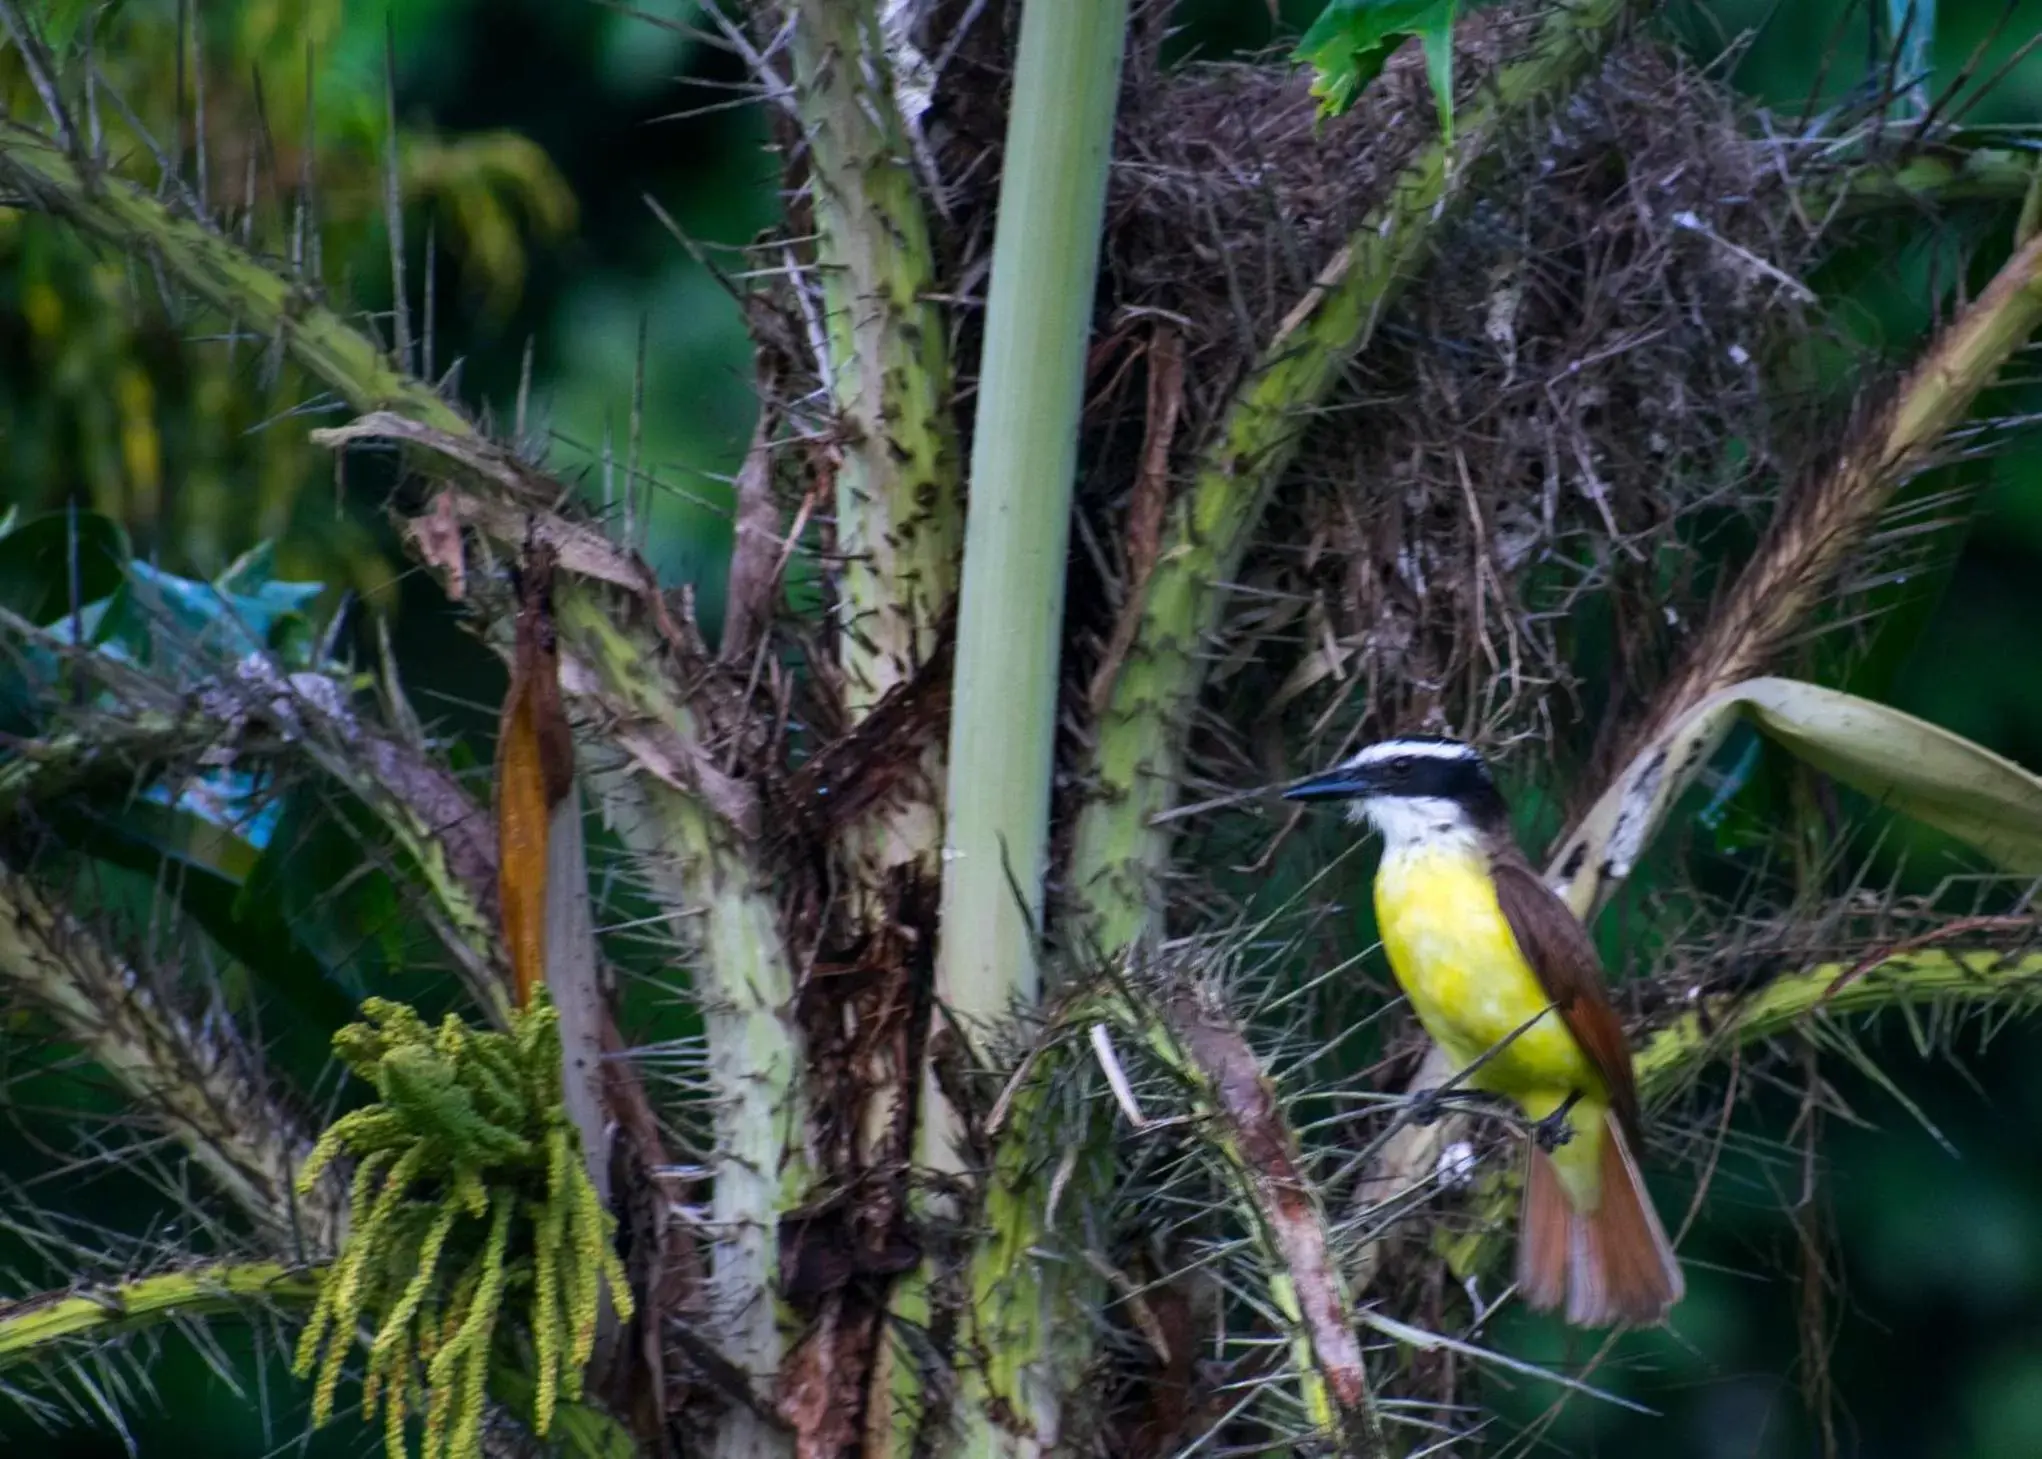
1938,1323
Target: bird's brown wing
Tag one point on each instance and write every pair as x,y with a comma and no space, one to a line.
1558,948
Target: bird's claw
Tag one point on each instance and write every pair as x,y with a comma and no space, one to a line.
1555,1129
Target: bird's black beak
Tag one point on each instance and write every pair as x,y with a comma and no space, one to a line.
1340,784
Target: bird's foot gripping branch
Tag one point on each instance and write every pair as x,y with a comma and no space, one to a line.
469,1193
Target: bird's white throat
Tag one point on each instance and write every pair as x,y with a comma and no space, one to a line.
1413,822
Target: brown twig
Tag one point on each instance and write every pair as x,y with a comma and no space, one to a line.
1150,499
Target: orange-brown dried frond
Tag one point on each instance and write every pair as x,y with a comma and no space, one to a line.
534,772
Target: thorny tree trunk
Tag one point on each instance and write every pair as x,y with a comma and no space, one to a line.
912,1231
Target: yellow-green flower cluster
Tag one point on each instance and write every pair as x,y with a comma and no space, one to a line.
469,1184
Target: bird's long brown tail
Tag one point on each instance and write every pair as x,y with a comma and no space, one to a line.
1612,1264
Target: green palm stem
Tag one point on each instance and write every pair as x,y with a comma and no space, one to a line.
1003,718
1808,1003
692,858
749,993
900,527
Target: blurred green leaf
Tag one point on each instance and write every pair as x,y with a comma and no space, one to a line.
36,557
208,872
1351,41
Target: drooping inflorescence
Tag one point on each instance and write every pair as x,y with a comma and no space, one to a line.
468,1186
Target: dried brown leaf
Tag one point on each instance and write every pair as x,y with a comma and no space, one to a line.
534,772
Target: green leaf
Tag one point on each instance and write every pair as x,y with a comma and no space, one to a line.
35,563
1939,778
1352,40
208,872
1436,36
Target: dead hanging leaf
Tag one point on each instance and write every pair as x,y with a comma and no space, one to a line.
1938,778
534,772
754,548
542,882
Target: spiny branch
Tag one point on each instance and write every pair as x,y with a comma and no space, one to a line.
201,1089
396,406
226,277
1708,1026
33,1329
257,711
1254,1142
900,512
744,981
31,1325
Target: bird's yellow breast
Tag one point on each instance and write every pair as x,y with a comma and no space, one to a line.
1457,960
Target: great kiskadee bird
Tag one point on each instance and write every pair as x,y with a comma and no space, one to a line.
1507,983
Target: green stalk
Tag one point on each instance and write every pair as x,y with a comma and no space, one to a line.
224,276
1024,459
28,1325
1003,718
760,1168
1138,755
1938,178
900,527
31,1326
696,869
1699,1035
1245,1132
900,510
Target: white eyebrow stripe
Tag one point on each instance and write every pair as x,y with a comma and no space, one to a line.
1411,750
